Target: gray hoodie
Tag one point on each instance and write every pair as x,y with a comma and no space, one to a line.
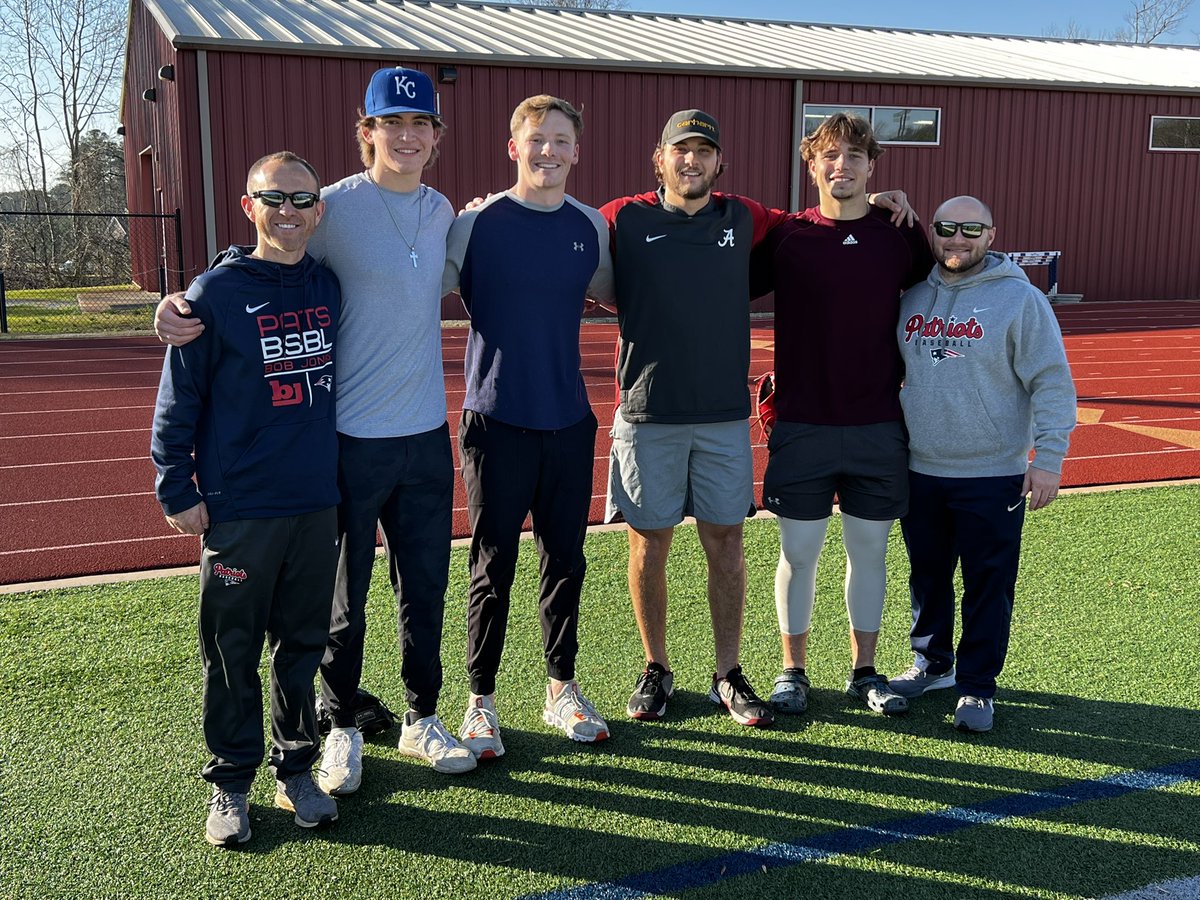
986,375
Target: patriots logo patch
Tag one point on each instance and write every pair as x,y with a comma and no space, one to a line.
937,354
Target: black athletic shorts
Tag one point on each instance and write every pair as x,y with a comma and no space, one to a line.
866,466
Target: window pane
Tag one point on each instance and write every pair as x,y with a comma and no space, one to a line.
907,124
815,115
1168,133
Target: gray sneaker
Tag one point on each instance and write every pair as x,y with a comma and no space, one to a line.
973,713
228,818
873,690
790,694
917,680
299,794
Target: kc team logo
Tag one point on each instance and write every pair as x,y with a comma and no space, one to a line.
228,575
405,87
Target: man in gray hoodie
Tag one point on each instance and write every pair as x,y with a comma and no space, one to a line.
986,381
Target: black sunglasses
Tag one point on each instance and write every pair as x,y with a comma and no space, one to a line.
276,199
969,229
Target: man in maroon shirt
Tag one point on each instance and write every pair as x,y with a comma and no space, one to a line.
838,270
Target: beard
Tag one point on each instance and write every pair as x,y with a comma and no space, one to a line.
693,189
961,263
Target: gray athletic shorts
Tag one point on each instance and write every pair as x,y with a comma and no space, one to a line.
658,473
865,465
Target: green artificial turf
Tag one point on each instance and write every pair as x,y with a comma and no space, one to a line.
100,746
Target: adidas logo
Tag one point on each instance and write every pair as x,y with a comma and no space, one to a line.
849,241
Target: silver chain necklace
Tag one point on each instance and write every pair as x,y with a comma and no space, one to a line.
412,245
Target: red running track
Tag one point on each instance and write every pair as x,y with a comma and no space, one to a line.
76,483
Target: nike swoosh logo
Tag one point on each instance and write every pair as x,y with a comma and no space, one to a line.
980,309
657,237
254,309
1015,505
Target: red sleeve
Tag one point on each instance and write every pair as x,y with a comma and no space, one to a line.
765,218
612,209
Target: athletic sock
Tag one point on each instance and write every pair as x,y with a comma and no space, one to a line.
862,673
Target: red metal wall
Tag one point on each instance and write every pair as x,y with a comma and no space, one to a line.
623,115
1062,170
170,128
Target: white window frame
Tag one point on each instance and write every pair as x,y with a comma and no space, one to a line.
937,140
1171,149
871,108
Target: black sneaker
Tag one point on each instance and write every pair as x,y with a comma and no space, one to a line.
654,687
735,694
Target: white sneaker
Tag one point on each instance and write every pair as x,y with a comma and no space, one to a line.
428,739
574,715
340,772
480,732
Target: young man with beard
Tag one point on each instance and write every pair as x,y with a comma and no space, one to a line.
248,411
384,235
528,435
986,381
681,443
838,271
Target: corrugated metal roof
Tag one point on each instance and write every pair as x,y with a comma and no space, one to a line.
523,35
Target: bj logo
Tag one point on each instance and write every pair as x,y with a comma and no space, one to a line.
286,394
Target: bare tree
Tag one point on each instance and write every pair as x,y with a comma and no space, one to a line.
1072,31
60,67
1146,22
1149,20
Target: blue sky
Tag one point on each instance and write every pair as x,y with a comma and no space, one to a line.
1029,17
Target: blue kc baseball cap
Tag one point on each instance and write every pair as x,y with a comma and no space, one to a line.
400,90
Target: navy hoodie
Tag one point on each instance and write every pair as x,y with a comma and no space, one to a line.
253,395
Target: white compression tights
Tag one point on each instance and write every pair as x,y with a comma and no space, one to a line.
796,576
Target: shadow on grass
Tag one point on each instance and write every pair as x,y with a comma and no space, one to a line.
563,810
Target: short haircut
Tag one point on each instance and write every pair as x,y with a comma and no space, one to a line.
535,110
283,156
854,130
366,150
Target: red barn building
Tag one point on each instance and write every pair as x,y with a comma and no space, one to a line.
1088,148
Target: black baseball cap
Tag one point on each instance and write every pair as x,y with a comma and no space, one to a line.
692,123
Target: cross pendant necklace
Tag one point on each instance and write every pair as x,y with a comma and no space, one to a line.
411,245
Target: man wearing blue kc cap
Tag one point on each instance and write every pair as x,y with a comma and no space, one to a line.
384,235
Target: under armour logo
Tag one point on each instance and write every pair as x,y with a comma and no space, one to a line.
727,241
405,87
849,241
579,246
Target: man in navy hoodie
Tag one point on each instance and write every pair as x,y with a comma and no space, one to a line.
247,410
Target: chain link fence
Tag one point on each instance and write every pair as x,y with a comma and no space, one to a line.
74,273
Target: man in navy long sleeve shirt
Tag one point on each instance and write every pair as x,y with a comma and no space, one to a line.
528,434
252,399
